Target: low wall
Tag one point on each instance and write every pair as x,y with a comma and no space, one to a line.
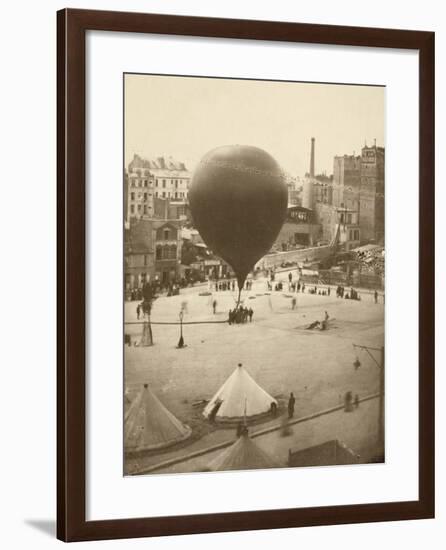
301,255
355,279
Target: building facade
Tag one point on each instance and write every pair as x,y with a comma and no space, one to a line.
139,258
170,209
371,200
299,229
152,252
358,185
148,179
139,187
346,181
167,238
338,226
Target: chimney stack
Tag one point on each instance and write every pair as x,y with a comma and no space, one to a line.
312,159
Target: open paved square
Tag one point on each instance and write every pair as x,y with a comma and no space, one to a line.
275,348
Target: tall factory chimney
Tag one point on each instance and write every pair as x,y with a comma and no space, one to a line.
312,158
308,191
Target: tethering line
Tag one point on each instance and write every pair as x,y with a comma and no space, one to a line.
173,322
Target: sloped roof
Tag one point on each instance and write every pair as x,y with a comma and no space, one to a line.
244,454
148,424
155,164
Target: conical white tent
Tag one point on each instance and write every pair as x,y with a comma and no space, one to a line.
244,454
149,425
240,397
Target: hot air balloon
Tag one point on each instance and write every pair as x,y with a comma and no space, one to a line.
238,199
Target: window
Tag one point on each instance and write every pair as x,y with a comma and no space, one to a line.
145,196
164,194
164,183
166,234
132,209
156,184
145,260
159,253
139,208
145,209
145,183
132,196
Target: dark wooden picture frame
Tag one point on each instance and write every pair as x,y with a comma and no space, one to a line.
71,462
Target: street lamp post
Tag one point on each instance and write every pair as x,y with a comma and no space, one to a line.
380,366
181,343
147,336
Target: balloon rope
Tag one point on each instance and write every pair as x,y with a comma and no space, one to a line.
238,299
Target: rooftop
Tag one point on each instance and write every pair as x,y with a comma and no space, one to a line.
157,165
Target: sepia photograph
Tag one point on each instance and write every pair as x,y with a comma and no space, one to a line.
254,274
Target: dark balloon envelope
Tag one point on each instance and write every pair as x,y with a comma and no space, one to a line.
238,199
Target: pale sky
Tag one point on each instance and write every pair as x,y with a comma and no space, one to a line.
185,117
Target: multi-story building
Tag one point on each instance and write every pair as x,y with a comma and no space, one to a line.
152,252
139,257
338,225
371,199
346,181
298,229
148,179
167,237
139,193
170,209
171,184
358,185
323,189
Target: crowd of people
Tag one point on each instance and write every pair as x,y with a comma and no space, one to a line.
341,293
240,315
224,285
221,286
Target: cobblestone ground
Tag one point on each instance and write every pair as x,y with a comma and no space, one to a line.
275,348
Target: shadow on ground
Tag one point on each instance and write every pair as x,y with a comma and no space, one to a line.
46,526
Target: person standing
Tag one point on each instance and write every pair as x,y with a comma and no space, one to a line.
293,303
291,403
214,306
138,311
376,296
250,313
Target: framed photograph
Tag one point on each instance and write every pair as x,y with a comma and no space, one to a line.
245,275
